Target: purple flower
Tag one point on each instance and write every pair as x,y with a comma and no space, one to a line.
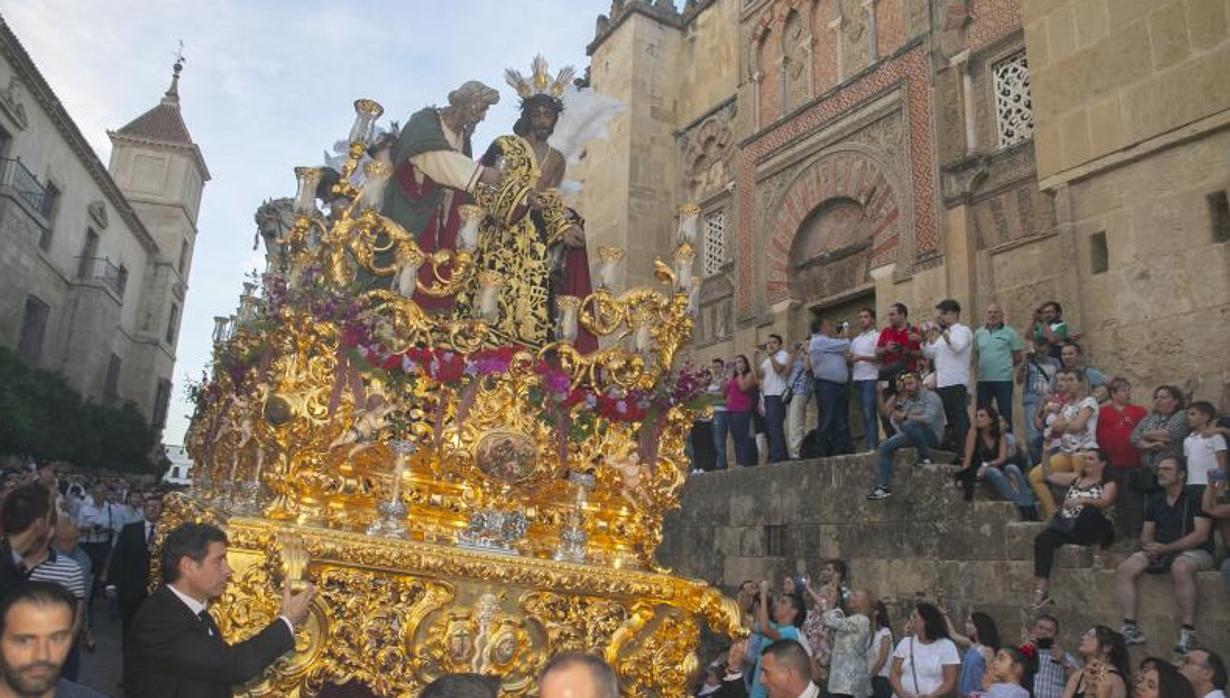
557,382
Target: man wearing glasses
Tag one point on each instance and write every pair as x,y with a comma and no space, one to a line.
1206,671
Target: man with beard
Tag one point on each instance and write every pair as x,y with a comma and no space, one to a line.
541,251
36,631
434,174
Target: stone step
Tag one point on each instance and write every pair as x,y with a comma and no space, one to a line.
923,542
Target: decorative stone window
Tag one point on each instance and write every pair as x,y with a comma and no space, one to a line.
715,241
1014,117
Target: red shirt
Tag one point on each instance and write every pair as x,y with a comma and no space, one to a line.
900,336
1115,433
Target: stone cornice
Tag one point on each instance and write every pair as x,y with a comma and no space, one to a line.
193,151
29,75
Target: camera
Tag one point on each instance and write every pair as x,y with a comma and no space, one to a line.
1045,643
843,326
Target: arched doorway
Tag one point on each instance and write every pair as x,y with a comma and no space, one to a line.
830,273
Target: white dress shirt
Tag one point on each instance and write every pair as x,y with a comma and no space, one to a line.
951,357
812,691
196,607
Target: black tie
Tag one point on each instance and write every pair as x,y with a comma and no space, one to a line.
208,620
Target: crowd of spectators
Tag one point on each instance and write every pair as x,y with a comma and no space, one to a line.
61,527
1098,469
833,639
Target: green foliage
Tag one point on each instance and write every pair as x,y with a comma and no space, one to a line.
41,415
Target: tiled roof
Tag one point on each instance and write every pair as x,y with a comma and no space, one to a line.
162,123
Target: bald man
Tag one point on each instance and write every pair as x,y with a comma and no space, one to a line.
786,671
998,349
577,675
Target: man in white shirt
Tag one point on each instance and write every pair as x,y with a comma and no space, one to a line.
865,374
786,671
98,519
1206,671
772,386
948,344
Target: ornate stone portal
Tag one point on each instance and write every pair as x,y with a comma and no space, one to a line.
460,504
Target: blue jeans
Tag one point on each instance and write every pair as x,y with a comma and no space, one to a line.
865,393
775,425
1033,437
1011,484
741,433
1001,393
910,433
720,429
832,428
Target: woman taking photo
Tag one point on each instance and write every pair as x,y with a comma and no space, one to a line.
981,639
740,402
1106,665
986,458
1074,426
787,617
848,674
1082,520
925,664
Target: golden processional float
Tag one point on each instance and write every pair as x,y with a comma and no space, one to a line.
461,504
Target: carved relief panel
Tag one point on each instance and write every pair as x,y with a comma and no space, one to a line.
796,57
707,152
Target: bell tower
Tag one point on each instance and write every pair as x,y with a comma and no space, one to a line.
162,173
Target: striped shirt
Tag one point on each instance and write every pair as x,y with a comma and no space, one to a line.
62,570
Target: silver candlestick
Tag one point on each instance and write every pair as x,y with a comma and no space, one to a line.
391,521
572,537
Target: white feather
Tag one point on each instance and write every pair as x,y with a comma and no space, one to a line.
586,118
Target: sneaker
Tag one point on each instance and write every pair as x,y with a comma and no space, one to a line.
880,492
923,461
1133,636
1187,641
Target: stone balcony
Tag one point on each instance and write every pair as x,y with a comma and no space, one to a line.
924,542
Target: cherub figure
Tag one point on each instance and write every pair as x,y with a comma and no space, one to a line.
367,424
633,476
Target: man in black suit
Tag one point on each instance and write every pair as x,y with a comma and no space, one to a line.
128,572
173,646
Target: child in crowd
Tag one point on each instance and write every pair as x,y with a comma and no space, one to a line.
1004,675
1205,447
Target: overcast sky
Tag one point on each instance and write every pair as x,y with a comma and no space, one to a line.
268,85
